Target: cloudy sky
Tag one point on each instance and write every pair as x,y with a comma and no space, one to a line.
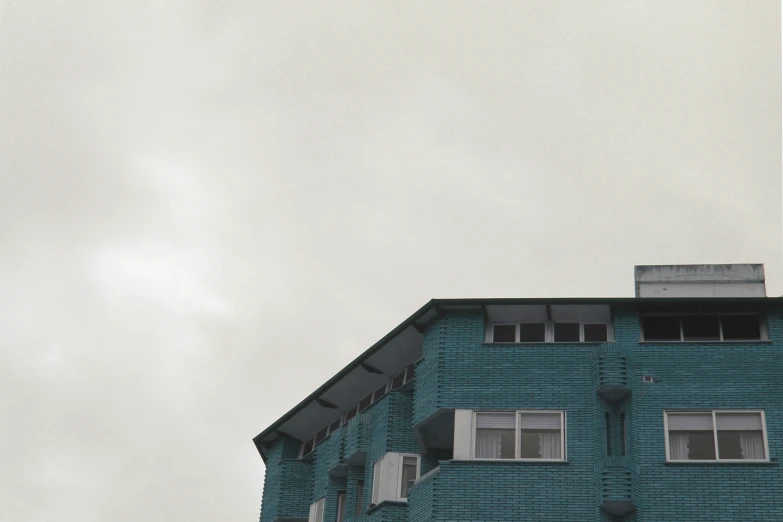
207,208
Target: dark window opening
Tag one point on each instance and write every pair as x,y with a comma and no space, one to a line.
566,332
741,327
409,373
308,447
398,381
351,414
504,333
359,497
700,328
729,446
608,435
365,403
334,426
661,328
595,333
701,444
340,506
379,393
320,436
622,434
532,332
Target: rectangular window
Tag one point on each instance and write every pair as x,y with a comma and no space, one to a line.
365,403
398,381
410,472
320,436
535,435
359,498
376,482
495,434
595,333
335,425
716,435
341,506
379,394
532,333
622,433
548,333
350,414
307,447
392,476
504,333
608,434
566,332
702,327
316,511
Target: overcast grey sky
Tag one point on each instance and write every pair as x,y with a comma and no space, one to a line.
207,208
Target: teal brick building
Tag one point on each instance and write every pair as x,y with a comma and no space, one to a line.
664,407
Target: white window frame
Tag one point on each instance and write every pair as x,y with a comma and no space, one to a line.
763,330
549,332
517,448
717,459
390,465
342,504
313,515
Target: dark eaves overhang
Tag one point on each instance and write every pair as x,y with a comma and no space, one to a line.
434,307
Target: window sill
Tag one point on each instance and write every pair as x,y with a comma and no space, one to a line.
515,461
721,462
718,343
545,343
383,503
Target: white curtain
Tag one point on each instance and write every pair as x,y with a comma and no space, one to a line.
488,444
752,445
549,444
678,446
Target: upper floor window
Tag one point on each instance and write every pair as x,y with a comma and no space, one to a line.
722,435
317,511
529,434
701,327
548,332
392,476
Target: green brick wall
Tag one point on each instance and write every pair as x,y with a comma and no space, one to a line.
458,370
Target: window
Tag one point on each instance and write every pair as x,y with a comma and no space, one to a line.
398,381
379,394
365,403
350,414
341,506
392,476
532,333
608,434
595,333
335,425
702,327
308,446
535,435
622,433
724,435
359,497
410,472
548,333
316,511
504,333
320,436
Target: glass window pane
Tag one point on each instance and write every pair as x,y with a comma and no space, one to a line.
308,447
379,393
495,435
539,444
320,436
409,467
566,332
595,333
741,327
376,481
692,445
504,333
351,414
700,328
335,426
661,328
359,498
398,381
365,403
340,506
532,332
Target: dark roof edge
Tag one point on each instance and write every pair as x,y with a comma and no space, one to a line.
489,301
353,364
